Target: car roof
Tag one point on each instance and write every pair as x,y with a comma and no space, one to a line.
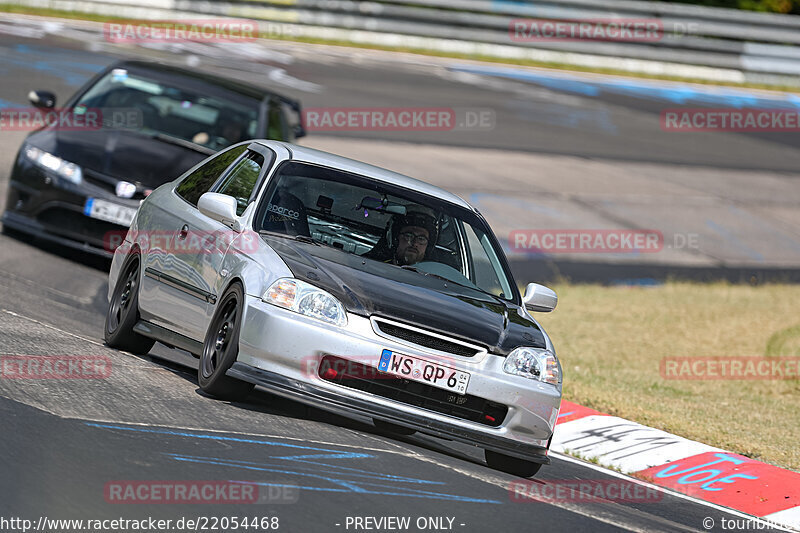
246,89
311,155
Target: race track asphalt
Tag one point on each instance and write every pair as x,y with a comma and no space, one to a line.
65,442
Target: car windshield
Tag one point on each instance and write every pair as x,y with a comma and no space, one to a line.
160,109
381,222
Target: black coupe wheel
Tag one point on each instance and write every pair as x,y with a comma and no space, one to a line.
221,347
123,312
511,465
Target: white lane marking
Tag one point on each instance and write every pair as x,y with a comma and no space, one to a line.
85,300
511,86
789,516
665,490
92,35
259,52
143,362
85,339
30,33
206,430
279,75
586,511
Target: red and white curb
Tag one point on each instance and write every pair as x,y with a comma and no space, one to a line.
695,469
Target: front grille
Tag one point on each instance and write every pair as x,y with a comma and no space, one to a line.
77,225
354,375
100,181
107,183
399,332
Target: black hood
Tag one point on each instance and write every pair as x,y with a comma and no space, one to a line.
125,155
368,288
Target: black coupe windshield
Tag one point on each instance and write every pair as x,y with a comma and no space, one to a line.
161,109
383,223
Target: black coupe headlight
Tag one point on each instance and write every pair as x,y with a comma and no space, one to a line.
64,169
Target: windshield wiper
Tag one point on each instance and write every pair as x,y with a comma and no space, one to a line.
418,271
306,239
178,142
300,238
415,269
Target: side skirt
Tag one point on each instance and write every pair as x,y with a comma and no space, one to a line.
168,337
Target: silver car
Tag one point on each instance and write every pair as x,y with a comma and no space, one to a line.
346,287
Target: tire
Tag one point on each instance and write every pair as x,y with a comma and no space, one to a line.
221,347
123,311
388,427
511,465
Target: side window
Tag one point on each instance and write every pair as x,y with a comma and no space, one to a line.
485,263
200,181
241,180
448,248
276,123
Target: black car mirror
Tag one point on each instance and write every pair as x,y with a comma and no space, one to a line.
42,99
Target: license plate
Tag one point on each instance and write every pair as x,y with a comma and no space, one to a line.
109,211
417,369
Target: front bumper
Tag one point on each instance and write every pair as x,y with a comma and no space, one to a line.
281,351
40,231
50,208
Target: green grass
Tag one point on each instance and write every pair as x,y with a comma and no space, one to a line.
611,339
25,10
591,459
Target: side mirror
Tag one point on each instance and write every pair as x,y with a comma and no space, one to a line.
539,298
221,208
42,99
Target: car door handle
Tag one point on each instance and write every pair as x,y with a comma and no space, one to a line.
183,232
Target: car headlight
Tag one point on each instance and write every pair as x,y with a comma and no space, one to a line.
306,299
65,169
533,363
